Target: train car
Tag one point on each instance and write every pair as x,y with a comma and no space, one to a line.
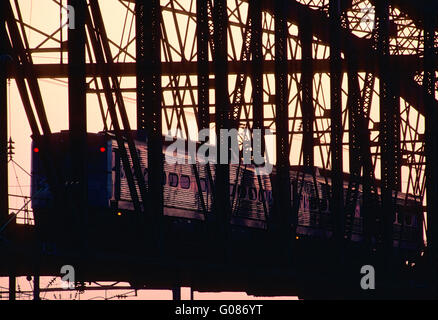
315,218
251,196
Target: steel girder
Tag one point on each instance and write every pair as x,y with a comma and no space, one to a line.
366,61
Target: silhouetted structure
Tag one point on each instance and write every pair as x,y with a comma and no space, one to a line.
384,50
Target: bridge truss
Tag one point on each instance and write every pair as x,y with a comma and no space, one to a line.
348,86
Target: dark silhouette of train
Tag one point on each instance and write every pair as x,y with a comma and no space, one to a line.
250,196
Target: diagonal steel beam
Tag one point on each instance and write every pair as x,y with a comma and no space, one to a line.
409,89
18,43
100,57
4,58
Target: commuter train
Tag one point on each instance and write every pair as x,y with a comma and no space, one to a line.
250,196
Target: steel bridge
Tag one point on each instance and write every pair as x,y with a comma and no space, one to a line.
348,86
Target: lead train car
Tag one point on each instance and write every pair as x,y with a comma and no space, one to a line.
108,192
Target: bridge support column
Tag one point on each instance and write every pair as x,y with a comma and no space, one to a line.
306,38
389,140
36,285
431,143
221,205
280,223
202,64
149,116
255,12
12,286
77,106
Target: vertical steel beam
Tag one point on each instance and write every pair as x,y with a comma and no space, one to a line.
36,285
388,125
431,143
149,91
203,72
306,37
12,286
282,197
76,72
255,13
77,107
222,207
396,131
142,65
354,114
203,112
355,143
337,200
256,51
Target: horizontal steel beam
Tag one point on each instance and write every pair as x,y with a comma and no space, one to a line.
408,64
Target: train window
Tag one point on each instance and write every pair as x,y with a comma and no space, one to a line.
408,220
185,182
242,192
252,193
173,180
203,184
164,178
